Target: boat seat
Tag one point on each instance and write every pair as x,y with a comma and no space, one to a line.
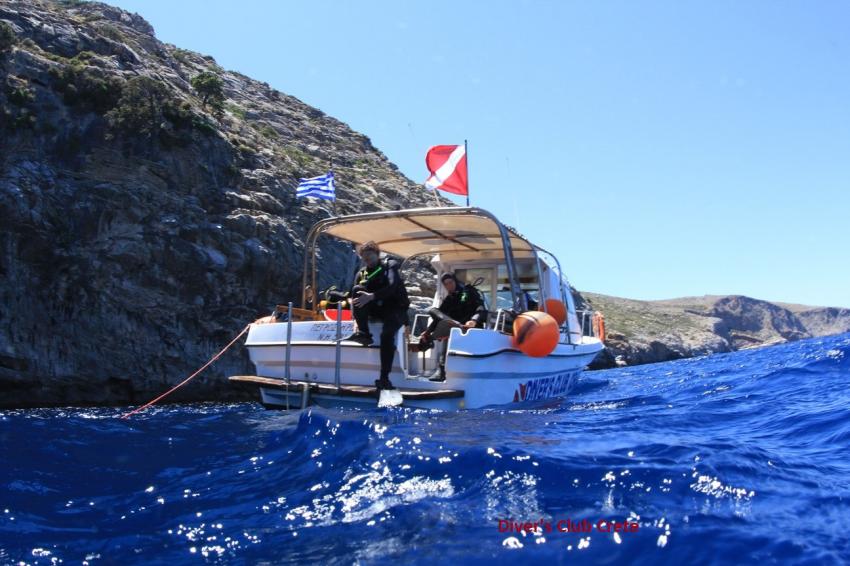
422,319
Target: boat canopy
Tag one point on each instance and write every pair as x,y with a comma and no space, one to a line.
455,233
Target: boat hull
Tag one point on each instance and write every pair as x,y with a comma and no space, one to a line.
482,363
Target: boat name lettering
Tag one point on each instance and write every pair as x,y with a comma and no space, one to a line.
545,387
325,332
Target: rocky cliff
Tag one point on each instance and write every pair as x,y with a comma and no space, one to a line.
148,215
652,331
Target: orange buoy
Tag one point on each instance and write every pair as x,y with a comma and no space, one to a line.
535,334
556,309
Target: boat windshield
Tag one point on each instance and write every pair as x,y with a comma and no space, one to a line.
494,282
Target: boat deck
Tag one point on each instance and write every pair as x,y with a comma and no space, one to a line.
345,389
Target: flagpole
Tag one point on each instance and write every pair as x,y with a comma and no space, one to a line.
466,155
334,178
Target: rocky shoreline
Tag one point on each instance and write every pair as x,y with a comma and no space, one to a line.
641,332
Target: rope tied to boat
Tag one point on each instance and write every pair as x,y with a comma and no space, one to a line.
188,379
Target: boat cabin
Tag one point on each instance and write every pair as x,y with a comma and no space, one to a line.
512,274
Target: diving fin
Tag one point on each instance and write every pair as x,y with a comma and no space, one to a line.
390,398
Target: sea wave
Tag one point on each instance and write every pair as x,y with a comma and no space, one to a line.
739,457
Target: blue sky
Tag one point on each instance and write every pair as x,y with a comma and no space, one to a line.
661,149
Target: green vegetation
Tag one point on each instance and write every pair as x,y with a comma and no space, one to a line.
19,114
146,107
83,58
212,63
148,110
210,88
644,320
236,110
20,96
297,156
23,119
34,47
86,86
203,125
111,32
181,55
7,38
267,131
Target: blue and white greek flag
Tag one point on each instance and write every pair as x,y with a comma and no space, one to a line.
322,186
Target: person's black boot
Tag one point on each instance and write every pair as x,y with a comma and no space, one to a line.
361,338
383,383
439,375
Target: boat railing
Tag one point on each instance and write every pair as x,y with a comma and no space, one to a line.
501,320
592,324
286,363
420,323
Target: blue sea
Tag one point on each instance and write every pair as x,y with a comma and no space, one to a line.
736,458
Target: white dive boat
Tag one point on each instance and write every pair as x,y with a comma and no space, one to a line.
482,366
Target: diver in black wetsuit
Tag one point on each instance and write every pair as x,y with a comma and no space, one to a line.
463,307
379,293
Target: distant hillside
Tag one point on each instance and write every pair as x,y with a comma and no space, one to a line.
653,331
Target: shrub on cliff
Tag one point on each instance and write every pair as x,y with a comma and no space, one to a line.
147,110
86,87
7,38
181,55
20,95
111,32
210,88
19,114
145,107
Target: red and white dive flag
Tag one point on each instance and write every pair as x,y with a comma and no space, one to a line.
447,164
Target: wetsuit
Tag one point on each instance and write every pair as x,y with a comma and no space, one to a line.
463,305
389,306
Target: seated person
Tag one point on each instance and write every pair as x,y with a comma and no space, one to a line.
379,293
463,307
